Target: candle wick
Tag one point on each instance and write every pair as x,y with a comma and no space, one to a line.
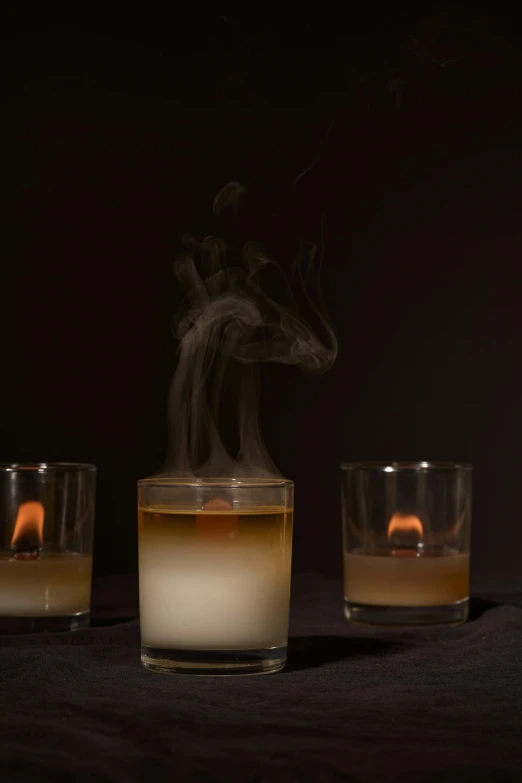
405,552
26,554
25,549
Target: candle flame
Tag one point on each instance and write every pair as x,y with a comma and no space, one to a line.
405,527
29,524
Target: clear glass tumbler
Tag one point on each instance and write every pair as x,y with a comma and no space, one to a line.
46,537
214,565
406,537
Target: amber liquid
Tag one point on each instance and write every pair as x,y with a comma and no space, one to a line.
214,579
270,526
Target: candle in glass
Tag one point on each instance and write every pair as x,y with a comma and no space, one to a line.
406,542
46,524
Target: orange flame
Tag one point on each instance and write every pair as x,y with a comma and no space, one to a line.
405,524
29,523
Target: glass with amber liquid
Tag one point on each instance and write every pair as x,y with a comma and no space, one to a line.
214,564
406,532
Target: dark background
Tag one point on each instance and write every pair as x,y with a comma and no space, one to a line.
118,134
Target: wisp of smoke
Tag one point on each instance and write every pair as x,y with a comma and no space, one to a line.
228,318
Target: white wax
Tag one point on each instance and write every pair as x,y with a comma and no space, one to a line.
57,584
405,581
198,595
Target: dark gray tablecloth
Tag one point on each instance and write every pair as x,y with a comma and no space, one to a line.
438,704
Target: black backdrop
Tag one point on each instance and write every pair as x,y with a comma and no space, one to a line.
118,134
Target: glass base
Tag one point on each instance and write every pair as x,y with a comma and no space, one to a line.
214,662
72,622
393,616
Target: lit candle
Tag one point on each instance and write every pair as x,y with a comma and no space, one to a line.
39,583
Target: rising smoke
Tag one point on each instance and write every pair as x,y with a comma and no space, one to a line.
229,319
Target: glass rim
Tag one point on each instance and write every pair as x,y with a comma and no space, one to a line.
397,466
44,467
219,483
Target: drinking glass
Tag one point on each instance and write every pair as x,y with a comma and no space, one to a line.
46,537
214,568
406,536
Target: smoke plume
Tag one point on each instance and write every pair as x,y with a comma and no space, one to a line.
227,325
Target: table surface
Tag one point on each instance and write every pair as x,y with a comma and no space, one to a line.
353,704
